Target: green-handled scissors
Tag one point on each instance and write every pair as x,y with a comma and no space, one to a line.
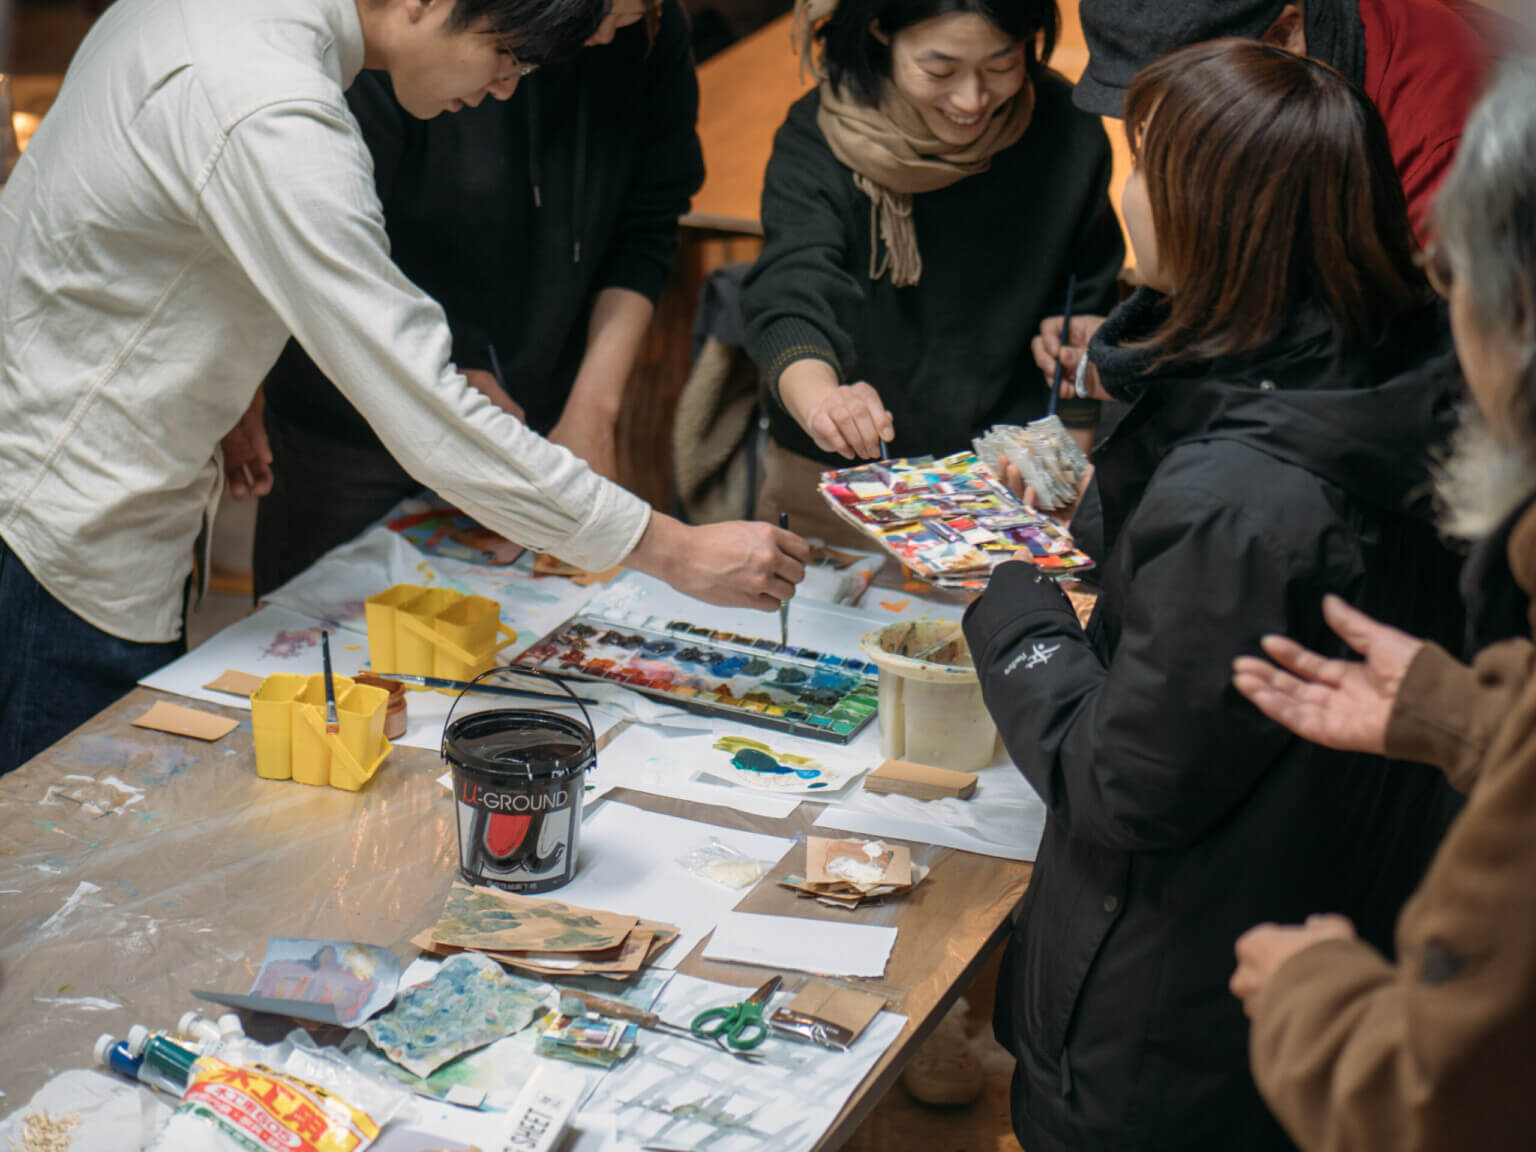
737,1025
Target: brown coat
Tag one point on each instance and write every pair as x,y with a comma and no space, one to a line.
1438,1051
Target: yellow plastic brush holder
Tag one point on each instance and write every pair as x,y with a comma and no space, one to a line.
434,632
291,740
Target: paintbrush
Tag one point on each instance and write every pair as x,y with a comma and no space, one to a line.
332,721
484,689
1066,336
784,604
496,367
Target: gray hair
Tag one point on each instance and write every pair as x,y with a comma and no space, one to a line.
1485,217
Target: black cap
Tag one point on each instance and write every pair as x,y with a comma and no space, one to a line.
1124,36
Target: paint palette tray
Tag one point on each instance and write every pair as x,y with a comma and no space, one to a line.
718,673
948,520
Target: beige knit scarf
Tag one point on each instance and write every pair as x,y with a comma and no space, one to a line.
892,154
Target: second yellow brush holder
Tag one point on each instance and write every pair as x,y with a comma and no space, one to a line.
434,632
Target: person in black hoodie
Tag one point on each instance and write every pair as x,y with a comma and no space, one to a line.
1288,375
923,210
544,225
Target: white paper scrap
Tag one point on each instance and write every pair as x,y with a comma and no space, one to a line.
629,865
820,946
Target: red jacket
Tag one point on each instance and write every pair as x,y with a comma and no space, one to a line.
1424,67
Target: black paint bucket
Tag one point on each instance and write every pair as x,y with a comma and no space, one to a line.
517,786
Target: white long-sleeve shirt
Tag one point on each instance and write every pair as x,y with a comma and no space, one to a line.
198,191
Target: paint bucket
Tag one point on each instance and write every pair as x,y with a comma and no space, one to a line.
517,786
931,709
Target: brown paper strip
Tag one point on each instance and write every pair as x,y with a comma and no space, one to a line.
234,682
180,721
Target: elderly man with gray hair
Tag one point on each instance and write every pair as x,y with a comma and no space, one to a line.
1436,1050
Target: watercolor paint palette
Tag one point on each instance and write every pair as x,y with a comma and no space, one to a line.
948,520
715,672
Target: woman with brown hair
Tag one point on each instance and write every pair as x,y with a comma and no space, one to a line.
1288,372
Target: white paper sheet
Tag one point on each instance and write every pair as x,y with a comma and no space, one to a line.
824,947
336,585
674,1093
1005,817
670,762
629,865
269,640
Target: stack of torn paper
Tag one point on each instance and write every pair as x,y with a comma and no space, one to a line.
848,873
545,937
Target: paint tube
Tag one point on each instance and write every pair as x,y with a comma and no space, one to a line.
289,1097
199,1029
113,1053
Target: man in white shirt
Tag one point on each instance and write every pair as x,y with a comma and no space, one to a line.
198,191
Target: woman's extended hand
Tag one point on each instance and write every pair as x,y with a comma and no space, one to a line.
848,419
1341,704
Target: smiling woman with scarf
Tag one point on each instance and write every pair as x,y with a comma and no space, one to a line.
1288,375
922,211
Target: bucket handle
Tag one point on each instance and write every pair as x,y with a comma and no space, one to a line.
540,673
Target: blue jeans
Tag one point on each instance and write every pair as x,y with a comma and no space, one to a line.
57,671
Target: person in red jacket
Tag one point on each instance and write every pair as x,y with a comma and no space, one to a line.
1421,62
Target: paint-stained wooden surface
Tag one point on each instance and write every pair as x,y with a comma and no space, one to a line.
112,917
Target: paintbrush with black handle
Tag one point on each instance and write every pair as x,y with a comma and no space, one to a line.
332,721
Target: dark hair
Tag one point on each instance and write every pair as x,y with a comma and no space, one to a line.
539,31
857,64
1271,187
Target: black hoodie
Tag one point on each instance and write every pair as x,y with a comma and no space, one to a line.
1234,496
515,214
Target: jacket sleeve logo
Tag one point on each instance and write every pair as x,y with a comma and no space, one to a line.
1039,654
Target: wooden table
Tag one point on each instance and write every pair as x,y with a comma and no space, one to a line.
111,919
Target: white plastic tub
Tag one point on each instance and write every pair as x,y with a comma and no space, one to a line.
931,710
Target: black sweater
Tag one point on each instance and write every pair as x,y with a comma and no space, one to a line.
950,355
515,214
1234,497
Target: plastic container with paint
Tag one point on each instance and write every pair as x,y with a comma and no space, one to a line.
931,709
517,785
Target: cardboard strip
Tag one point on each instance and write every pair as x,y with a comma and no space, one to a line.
921,781
234,682
179,720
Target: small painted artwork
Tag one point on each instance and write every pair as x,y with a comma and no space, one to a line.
719,673
440,529
469,1003
491,920
948,520
758,765
330,981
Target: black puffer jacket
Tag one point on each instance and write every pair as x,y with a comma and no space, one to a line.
1233,498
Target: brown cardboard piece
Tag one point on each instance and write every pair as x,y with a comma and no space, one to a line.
847,1010
235,682
181,721
921,781
822,857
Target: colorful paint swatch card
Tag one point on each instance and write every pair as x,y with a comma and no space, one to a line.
470,1003
948,520
492,920
717,672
